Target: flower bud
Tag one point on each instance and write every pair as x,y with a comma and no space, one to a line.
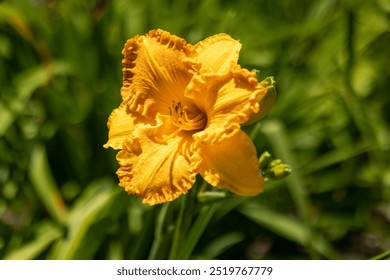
265,160
279,171
275,162
267,100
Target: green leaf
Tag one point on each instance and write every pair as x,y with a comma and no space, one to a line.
26,83
287,227
162,236
45,185
222,243
277,135
46,234
87,211
6,117
15,18
382,256
196,231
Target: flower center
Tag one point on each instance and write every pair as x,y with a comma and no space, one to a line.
185,120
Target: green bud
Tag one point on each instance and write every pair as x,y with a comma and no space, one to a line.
266,101
268,82
279,171
275,162
265,160
273,169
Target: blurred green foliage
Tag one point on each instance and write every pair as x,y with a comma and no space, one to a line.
60,77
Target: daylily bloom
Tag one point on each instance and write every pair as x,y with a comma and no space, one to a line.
181,112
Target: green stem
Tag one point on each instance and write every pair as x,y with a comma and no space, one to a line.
159,231
196,231
382,256
179,233
359,113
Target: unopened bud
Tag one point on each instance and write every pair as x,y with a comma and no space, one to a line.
266,101
275,162
279,171
265,160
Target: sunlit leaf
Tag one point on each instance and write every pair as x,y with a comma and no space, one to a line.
83,215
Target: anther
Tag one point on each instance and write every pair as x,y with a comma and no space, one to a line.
180,117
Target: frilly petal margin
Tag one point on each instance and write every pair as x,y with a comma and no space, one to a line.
155,169
120,125
232,164
228,101
217,53
156,70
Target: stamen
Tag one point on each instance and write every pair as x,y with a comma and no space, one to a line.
180,117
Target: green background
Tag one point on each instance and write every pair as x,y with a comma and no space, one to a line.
60,77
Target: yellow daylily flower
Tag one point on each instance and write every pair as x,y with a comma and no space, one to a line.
181,111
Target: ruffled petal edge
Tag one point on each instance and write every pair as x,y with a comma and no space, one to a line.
155,169
224,122
156,69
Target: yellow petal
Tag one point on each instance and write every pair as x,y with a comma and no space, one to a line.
232,164
120,125
156,169
228,101
218,53
156,70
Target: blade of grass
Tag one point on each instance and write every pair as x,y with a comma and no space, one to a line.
382,256
287,227
222,243
85,213
143,239
45,185
278,138
159,233
14,18
334,157
295,183
196,231
178,233
46,234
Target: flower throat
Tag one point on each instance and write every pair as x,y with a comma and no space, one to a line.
184,120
